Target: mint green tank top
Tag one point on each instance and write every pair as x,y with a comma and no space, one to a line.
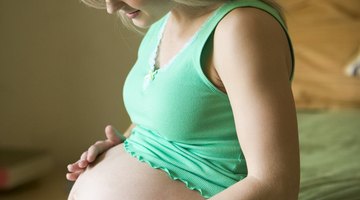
184,124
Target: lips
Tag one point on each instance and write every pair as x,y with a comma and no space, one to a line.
132,14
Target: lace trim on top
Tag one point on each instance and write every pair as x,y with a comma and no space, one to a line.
170,173
153,71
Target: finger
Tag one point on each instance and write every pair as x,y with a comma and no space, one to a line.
73,176
75,167
82,163
83,155
114,135
96,149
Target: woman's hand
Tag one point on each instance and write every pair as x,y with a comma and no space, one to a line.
113,138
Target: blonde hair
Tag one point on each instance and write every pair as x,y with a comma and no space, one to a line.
100,4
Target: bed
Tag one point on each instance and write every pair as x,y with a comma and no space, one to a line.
325,35
330,154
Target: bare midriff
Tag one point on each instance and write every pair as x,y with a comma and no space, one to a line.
117,175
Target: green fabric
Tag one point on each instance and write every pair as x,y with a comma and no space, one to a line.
330,154
184,124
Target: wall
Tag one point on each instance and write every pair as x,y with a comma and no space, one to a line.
62,68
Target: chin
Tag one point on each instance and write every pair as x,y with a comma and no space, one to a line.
142,24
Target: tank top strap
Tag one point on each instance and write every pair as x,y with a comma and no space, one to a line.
208,28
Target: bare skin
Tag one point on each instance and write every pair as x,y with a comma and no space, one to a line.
132,179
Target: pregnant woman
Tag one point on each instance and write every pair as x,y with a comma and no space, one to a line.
211,105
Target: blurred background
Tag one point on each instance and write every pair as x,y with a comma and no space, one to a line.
62,68
63,65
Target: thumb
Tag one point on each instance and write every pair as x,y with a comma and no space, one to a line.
114,135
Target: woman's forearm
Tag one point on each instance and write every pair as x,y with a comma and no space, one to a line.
252,188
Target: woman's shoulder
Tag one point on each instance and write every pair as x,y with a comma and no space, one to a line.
251,27
250,32
248,20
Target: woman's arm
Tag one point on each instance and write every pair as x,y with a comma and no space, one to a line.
251,56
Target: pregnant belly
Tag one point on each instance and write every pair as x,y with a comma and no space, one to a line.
118,176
